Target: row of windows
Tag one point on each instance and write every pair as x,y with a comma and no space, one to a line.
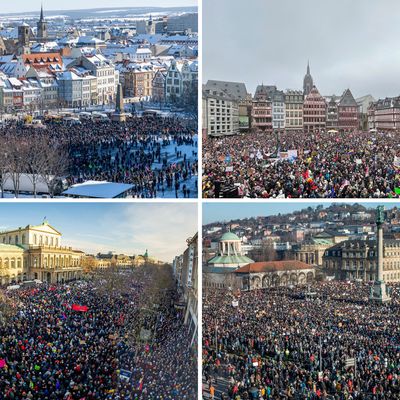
294,114
11,263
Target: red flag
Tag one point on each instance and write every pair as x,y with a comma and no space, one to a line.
77,307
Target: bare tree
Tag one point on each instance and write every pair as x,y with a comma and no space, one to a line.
4,163
55,167
7,308
16,157
36,160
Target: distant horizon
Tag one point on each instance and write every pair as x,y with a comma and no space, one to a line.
226,212
124,228
183,5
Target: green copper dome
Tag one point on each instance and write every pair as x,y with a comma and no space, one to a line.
229,236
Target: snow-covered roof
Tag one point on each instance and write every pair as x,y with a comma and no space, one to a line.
8,68
89,40
98,189
67,40
143,51
68,75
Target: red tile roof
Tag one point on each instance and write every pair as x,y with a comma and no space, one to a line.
272,266
42,58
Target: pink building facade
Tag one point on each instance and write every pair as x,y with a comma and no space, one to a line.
261,113
314,111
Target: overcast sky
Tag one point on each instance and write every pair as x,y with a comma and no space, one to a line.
128,228
32,5
350,43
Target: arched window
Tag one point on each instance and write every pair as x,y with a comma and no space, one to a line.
47,241
16,239
35,239
41,240
23,239
51,241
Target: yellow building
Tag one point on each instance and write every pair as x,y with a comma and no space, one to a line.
35,252
11,263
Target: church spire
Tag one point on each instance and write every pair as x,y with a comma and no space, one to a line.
308,81
41,13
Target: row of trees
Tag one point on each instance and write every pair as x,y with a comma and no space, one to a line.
32,160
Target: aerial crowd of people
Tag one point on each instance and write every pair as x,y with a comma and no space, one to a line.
49,349
327,165
283,343
158,155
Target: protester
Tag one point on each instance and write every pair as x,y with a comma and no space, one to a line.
327,165
53,349
283,343
157,155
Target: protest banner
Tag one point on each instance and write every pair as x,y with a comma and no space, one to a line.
77,307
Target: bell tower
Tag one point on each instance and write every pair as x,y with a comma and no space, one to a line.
41,27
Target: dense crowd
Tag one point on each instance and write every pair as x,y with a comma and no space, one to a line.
157,155
50,351
283,343
328,165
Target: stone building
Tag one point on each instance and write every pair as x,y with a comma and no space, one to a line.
278,110
261,113
357,259
237,92
314,111
348,119
158,86
138,80
363,104
312,251
220,113
191,286
384,114
308,82
274,274
294,100
41,35
229,257
35,252
332,113
146,27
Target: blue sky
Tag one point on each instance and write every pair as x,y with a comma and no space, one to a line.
124,228
29,5
219,212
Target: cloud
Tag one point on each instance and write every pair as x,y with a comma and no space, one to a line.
348,43
132,228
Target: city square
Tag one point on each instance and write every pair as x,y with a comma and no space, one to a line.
108,325
99,103
301,301
299,118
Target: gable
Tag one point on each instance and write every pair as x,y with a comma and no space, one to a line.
45,228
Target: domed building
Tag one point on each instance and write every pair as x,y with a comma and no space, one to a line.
228,259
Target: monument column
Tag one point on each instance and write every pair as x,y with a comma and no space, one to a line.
379,292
